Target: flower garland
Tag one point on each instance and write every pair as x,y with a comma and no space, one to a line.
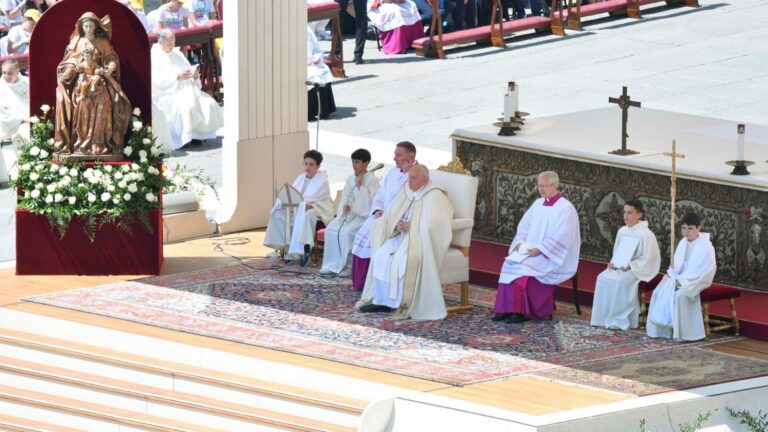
102,193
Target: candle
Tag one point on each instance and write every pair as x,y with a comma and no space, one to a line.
506,108
740,142
515,103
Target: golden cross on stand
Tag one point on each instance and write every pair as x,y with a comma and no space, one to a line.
673,193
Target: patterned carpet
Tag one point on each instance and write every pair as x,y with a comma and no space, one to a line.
267,304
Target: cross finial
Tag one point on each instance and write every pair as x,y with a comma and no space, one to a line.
673,195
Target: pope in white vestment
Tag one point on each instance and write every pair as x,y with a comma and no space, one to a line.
354,209
543,254
176,90
14,103
615,305
317,204
675,309
409,244
405,157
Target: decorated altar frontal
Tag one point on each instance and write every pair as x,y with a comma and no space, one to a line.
734,209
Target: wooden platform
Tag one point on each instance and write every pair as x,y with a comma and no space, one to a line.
519,394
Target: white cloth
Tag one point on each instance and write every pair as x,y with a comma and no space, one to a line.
317,70
202,10
161,130
404,272
554,230
14,108
389,16
340,233
191,113
393,183
615,304
171,20
17,34
680,308
316,191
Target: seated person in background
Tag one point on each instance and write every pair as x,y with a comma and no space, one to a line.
675,309
543,254
203,11
319,74
192,114
173,16
425,10
137,6
409,244
318,27
13,10
615,305
18,36
399,24
14,102
354,208
317,205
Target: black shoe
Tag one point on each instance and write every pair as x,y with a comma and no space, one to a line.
196,142
375,308
500,317
517,318
304,260
359,60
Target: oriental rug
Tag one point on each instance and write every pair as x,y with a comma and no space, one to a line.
288,308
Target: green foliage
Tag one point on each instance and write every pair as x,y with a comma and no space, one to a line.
181,178
757,423
686,427
98,193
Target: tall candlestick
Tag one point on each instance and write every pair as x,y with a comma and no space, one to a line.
740,142
507,112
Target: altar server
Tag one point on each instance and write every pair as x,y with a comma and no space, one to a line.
675,309
398,21
543,254
354,208
615,305
192,114
14,102
317,204
405,157
409,244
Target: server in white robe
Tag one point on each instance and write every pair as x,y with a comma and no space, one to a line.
192,114
317,204
543,254
409,244
635,258
354,208
675,309
405,158
14,102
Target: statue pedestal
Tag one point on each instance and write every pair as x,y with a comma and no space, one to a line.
40,251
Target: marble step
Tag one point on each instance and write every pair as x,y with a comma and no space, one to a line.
17,424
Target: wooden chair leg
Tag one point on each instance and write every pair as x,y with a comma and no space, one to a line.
734,320
633,9
643,309
464,299
705,310
575,283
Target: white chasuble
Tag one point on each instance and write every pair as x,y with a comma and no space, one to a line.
14,108
315,191
615,304
389,16
554,230
393,183
190,112
679,308
340,233
409,279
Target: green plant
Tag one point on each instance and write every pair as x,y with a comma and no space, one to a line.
685,427
754,423
182,178
99,193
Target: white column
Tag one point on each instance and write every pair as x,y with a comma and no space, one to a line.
265,105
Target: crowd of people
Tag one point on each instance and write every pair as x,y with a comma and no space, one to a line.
391,237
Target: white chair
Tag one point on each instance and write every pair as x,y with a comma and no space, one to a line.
462,192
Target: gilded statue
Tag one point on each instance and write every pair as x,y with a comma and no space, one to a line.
92,112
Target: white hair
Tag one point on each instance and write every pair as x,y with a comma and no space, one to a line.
552,176
165,34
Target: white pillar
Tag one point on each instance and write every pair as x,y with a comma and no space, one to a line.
265,105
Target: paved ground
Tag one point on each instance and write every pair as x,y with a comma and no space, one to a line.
710,61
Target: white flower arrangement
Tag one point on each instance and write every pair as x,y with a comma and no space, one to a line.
98,192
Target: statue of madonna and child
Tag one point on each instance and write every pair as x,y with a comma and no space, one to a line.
92,112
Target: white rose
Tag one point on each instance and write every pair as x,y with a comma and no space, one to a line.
58,197
88,173
51,187
122,184
26,166
48,199
127,196
43,154
27,194
153,170
137,126
150,197
116,200
34,151
143,160
35,193
149,129
54,167
14,176
146,141
63,171
39,186
45,108
137,111
73,172
132,188
97,173
34,119
140,176
91,197
72,200
126,168
34,176
143,154
128,150
50,141
118,175
93,180
135,166
108,168
111,188
106,196
153,150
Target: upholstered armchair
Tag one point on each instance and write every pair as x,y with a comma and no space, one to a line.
462,192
